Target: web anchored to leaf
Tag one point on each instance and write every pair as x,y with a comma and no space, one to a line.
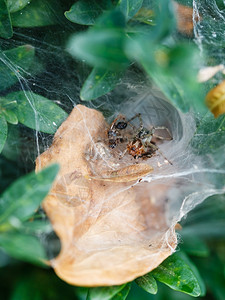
136,159
117,214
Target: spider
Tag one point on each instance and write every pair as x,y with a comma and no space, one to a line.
140,145
114,135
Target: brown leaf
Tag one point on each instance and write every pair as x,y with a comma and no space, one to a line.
215,99
112,226
184,19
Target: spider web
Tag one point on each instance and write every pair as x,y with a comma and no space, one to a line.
195,173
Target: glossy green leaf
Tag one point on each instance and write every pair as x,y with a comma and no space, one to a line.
104,293
100,48
37,112
99,82
3,130
15,5
129,7
23,247
23,197
6,31
14,63
147,283
180,274
122,295
38,13
86,12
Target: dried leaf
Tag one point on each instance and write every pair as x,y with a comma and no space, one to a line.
208,72
215,99
112,230
184,19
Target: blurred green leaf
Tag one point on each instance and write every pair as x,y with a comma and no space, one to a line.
212,269
25,289
185,2
165,21
147,283
165,65
36,226
23,197
86,12
10,117
129,7
193,245
145,15
6,31
3,131
38,13
15,5
99,82
113,19
180,274
104,293
122,295
102,46
37,112
23,247
14,63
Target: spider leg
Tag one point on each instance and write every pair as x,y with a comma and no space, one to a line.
120,116
155,148
161,137
122,155
140,122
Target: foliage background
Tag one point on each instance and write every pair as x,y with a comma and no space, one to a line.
55,54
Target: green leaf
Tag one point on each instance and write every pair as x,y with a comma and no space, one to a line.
194,246
85,12
180,274
36,226
147,283
99,82
145,15
3,131
23,247
15,5
26,289
104,293
210,137
14,63
165,66
185,2
10,117
38,13
6,31
129,7
122,295
12,147
37,112
23,197
100,48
